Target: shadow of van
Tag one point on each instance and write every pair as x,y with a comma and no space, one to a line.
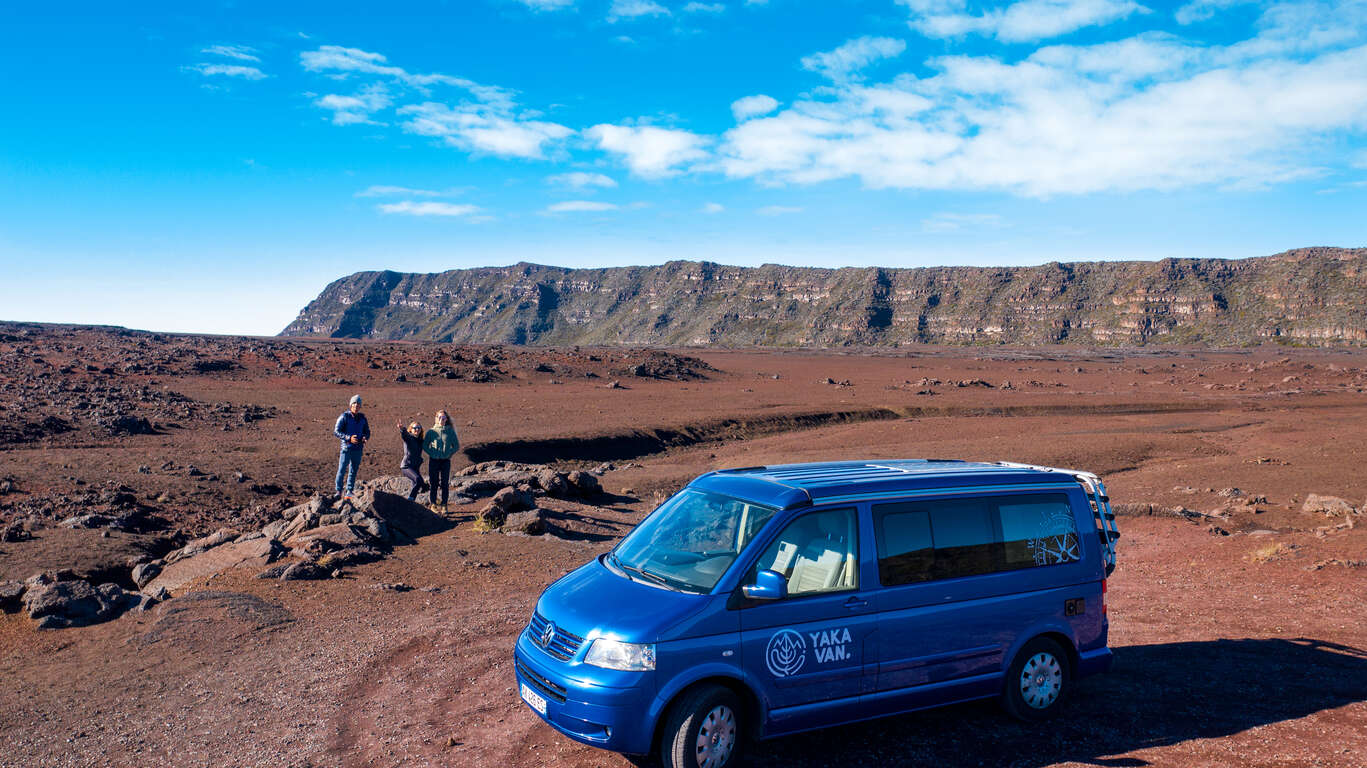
1156,695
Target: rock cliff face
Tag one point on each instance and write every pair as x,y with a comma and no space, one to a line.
1313,296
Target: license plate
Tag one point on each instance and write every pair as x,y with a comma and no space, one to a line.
533,699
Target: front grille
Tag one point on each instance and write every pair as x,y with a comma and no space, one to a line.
547,688
562,645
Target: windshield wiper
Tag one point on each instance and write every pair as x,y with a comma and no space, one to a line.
654,578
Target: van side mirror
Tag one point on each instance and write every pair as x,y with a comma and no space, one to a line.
769,585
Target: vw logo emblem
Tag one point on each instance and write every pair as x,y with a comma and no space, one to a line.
547,634
786,653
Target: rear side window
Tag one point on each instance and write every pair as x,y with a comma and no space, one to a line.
945,539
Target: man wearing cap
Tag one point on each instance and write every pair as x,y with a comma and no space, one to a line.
353,431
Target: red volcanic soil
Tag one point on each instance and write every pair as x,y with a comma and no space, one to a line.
1237,617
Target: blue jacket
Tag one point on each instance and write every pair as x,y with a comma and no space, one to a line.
348,425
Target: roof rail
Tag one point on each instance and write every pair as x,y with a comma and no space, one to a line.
1100,501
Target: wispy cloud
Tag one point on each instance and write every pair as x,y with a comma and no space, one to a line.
778,210
580,206
844,63
355,109
547,5
627,10
954,222
696,7
228,70
650,152
240,52
387,191
428,208
753,106
712,208
1021,21
489,121
581,179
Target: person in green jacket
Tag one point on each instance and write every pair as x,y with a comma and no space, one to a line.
440,444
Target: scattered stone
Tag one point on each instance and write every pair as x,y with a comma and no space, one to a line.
399,587
553,483
529,523
584,483
15,532
304,572
144,573
614,384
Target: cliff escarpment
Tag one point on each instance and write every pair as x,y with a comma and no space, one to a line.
1313,296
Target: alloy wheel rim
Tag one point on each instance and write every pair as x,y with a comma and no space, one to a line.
1041,680
716,737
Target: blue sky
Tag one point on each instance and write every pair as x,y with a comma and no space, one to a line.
200,167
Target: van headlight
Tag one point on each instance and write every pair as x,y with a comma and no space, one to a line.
615,654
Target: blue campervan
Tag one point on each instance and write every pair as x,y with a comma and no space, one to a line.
764,601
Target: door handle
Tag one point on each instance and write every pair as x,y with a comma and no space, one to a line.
856,602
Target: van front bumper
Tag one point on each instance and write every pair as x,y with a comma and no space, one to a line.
608,717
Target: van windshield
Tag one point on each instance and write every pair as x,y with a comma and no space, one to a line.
690,541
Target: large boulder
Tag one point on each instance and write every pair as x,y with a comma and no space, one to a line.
315,505
326,539
513,499
1329,506
60,604
406,520
241,554
584,483
553,483
143,573
11,594
202,544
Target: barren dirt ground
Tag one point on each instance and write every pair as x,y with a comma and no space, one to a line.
1239,626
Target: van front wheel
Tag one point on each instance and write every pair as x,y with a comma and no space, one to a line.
703,730
1037,681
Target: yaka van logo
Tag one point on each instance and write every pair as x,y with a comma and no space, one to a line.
786,654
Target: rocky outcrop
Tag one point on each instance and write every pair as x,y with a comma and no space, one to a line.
1312,296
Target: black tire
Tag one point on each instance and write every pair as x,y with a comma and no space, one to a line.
712,714
1039,693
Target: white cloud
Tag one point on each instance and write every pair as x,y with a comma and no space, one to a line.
844,63
356,109
1152,112
427,208
954,222
1200,10
387,191
580,206
650,152
240,52
753,106
634,9
696,7
228,70
547,5
712,208
341,60
1021,21
777,210
581,179
482,128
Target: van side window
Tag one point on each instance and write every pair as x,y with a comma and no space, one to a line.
945,539
1038,530
818,552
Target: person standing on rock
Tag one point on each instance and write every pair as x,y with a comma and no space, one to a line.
440,444
411,466
353,430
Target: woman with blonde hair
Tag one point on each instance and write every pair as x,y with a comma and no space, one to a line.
440,444
411,465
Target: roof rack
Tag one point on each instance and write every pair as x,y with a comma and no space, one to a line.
1091,484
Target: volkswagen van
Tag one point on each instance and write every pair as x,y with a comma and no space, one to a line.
764,601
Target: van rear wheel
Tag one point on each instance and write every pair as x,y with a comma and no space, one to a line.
703,730
1038,681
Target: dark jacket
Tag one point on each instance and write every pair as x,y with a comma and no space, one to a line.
348,425
412,450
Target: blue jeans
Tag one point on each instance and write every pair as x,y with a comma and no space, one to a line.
348,465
